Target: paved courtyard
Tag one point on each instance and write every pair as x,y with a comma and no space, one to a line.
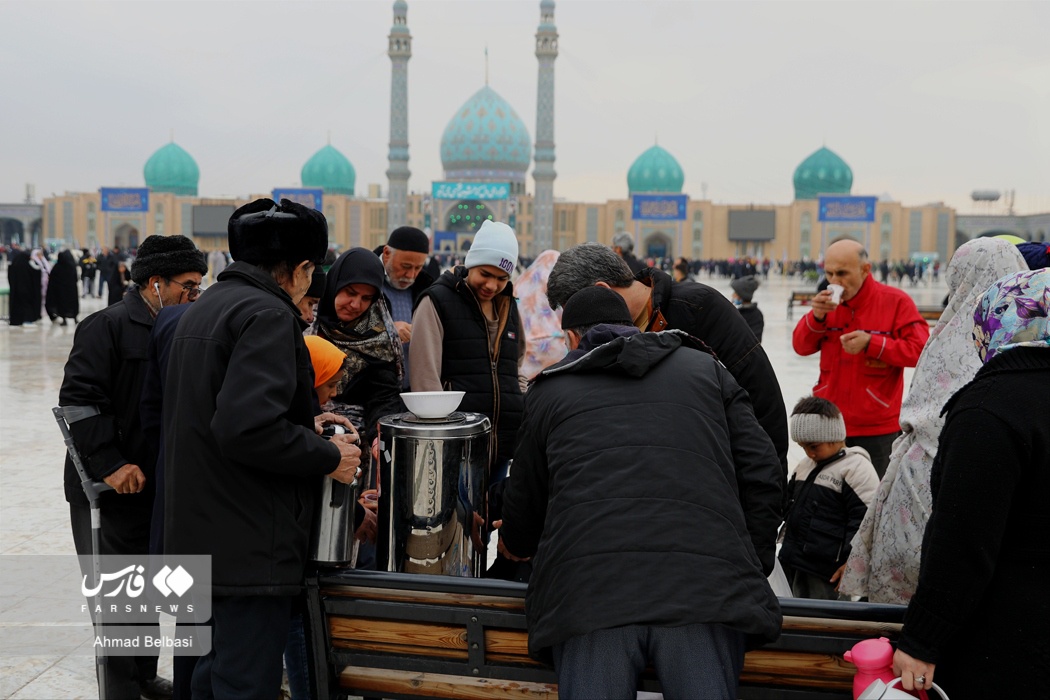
33,513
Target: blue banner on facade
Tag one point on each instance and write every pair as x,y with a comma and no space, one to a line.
855,209
471,190
125,199
659,207
312,197
444,242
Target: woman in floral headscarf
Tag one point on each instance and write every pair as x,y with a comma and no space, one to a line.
884,561
980,615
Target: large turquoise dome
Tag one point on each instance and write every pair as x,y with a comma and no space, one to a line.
331,171
822,173
656,170
486,140
171,169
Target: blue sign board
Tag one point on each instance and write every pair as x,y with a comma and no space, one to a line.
444,242
471,190
125,199
852,209
312,197
659,207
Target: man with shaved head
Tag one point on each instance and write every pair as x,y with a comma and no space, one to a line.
866,337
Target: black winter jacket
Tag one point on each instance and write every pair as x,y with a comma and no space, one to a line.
704,313
647,492
985,553
467,364
105,369
242,463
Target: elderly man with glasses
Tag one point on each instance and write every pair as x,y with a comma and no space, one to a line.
103,376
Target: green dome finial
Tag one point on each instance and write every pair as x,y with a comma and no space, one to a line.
330,170
823,172
171,169
656,170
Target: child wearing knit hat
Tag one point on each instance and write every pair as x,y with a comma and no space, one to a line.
830,492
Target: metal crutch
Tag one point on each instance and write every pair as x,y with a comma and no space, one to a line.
65,416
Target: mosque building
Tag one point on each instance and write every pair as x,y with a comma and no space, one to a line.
486,154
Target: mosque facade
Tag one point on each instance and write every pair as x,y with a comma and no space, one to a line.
487,153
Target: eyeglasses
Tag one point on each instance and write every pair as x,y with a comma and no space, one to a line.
192,290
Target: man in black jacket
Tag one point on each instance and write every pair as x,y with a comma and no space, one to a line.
242,461
104,373
404,256
656,304
650,498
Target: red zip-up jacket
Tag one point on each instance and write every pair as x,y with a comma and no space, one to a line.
866,387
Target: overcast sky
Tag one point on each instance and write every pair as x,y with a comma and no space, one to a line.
926,101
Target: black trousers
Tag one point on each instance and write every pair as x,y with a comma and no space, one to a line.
125,530
249,634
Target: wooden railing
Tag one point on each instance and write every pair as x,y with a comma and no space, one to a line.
415,636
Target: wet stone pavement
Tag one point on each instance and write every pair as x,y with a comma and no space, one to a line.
33,513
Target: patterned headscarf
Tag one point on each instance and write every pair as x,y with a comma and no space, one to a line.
1014,313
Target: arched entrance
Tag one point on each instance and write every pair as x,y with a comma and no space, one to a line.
12,231
657,245
126,236
464,218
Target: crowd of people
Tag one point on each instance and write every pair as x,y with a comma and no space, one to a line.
638,471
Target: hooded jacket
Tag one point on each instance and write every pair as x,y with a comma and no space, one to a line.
242,463
647,491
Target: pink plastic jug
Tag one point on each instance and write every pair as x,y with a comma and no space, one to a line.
874,661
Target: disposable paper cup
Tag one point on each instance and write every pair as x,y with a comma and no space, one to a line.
836,292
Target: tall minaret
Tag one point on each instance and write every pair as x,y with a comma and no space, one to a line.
543,172
400,50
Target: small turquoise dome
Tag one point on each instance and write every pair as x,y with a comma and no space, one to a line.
331,171
822,173
171,169
656,170
486,139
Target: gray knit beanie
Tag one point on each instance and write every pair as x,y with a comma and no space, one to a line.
810,427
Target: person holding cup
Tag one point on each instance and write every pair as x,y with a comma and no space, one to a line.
866,334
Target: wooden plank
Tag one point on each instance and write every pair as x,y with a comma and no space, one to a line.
796,669
420,634
860,628
377,681
404,650
427,597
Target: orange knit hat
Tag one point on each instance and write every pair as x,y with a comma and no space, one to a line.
327,359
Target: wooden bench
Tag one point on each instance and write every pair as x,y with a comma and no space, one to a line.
802,297
415,636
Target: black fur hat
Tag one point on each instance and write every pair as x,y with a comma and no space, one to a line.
266,233
166,256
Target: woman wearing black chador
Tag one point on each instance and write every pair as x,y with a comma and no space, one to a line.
62,300
24,281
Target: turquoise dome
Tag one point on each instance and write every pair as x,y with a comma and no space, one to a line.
331,171
486,140
822,173
656,170
171,169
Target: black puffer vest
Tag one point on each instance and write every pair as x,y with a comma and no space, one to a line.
467,364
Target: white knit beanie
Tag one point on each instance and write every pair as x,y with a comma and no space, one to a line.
494,244
810,427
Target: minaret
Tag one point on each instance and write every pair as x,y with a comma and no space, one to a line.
399,50
543,172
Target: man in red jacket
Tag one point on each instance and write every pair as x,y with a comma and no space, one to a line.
865,340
